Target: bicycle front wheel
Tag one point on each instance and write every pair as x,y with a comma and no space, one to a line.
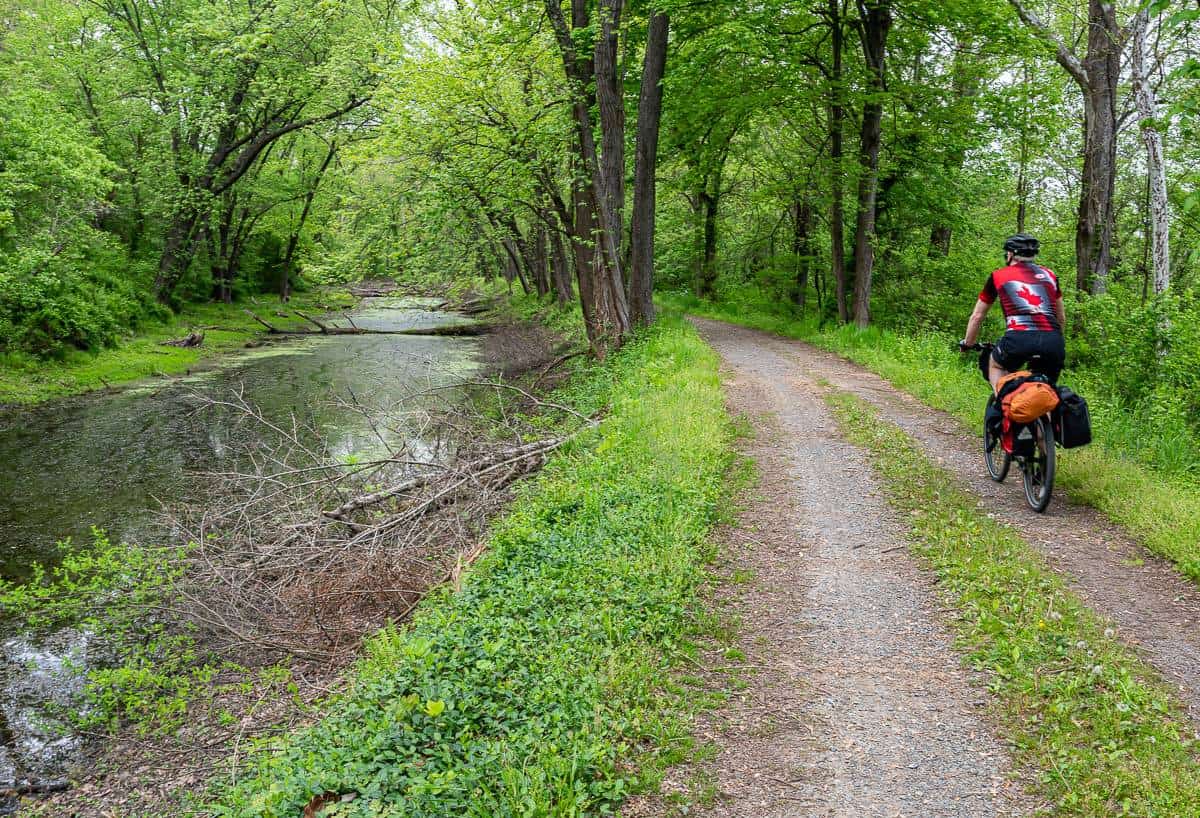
1037,470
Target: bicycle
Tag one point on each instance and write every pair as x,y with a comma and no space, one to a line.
1037,467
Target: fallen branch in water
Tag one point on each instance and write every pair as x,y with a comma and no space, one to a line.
454,330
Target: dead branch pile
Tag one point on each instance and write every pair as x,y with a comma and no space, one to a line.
300,549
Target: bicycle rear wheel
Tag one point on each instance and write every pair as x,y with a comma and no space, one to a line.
1037,470
994,457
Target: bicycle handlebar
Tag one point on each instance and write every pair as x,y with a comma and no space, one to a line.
975,347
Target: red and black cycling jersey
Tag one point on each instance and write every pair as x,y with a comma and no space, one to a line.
1027,293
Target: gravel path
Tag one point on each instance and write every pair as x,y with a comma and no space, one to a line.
858,707
1155,610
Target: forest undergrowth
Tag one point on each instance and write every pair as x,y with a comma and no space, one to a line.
1141,475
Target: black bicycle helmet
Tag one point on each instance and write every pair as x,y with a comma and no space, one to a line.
1022,244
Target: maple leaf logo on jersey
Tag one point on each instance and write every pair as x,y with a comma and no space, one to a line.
1029,295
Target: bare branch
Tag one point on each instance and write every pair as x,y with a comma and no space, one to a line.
1062,54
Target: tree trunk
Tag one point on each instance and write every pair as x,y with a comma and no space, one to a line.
1144,98
611,104
1102,67
176,253
222,262
285,270
939,241
802,218
541,260
602,285
1023,159
966,82
876,20
513,267
837,116
706,283
560,268
584,252
641,230
1097,75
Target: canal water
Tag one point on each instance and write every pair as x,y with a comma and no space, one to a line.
112,461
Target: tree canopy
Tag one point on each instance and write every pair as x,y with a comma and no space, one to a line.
860,160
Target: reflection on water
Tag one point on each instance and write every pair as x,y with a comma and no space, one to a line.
111,461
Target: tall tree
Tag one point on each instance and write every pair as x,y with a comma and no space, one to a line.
641,232
1144,97
1098,76
594,220
875,20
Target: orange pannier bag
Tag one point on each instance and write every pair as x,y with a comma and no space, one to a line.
1026,398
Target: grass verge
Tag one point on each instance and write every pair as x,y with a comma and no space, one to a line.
521,692
26,380
1079,706
1139,481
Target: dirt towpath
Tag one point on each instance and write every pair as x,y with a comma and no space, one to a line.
1155,610
858,706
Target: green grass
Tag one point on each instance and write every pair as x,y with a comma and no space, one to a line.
528,691
1142,482
1096,724
28,380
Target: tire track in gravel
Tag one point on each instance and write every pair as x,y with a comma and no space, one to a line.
859,707
1155,610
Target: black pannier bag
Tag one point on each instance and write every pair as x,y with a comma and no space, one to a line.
1073,423
1020,438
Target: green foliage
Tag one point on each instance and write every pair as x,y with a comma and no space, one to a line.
517,694
116,593
1078,704
63,282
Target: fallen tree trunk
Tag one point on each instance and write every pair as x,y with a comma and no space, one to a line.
192,339
455,330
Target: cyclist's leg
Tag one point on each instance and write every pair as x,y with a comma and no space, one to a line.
995,374
1003,360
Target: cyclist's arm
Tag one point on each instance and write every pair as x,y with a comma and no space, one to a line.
1061,311
976,321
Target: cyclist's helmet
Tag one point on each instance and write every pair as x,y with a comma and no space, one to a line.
1022,244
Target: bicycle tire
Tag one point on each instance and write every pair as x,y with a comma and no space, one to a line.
1037,471
995,458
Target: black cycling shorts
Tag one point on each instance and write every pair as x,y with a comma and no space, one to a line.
1015,350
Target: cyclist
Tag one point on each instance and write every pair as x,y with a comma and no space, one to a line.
1033,313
